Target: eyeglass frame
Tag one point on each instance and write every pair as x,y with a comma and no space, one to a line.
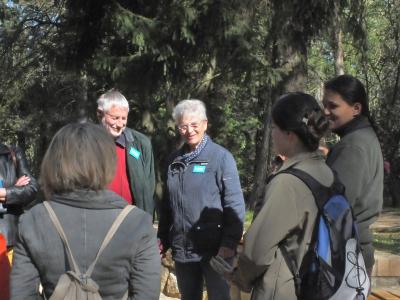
185,127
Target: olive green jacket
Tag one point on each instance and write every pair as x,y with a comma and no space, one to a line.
285,219
140,169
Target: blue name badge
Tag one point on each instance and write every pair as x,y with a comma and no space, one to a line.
134,152
199,169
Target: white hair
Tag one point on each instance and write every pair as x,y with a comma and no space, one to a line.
192,107
112,98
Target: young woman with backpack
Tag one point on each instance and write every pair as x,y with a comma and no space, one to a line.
357,157
287,216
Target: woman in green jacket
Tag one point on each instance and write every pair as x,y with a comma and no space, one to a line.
357,157
288,212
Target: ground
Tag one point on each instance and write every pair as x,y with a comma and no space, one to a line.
387,231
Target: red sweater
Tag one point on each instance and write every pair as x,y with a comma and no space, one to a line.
120,183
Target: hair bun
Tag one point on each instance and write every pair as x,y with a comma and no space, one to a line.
317,124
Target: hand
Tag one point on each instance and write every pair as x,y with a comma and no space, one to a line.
161,248
222,267
2,194
22,181
226,252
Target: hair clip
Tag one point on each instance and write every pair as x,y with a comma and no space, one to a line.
305,120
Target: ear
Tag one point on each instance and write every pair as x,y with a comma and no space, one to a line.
100,114
357,108
290,135
205,125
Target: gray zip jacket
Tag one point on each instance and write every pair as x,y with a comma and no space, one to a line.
358,161
130,261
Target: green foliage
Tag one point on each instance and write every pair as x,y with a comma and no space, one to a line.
237,56
248,219
388,242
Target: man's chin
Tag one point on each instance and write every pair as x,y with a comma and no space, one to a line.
114,134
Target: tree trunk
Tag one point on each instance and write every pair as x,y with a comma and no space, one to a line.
83,97
293,57
338,40
262,159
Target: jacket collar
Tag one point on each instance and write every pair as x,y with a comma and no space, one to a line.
203,156
129,138
315,155
355,124
121,140
103,199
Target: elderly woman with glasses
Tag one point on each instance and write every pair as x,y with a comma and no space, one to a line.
202,213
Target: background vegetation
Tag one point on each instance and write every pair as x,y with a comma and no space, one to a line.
57,57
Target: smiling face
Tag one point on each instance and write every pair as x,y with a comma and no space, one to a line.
192,130
114,120
338,111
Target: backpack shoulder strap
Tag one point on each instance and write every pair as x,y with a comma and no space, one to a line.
114,227
320,192
337,186
61,232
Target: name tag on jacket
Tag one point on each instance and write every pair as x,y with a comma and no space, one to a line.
134,152
199,169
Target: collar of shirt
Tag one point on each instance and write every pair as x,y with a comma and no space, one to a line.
358,122
298,158
121,140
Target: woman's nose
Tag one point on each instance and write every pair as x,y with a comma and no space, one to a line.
190,129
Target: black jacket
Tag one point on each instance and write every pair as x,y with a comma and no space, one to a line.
17,197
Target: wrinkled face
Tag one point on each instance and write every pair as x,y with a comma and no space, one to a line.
280,140
114,120
338,111
192,129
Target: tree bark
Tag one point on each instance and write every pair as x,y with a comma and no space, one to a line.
293,57
338,39
83,97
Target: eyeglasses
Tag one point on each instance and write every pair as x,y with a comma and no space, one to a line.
115,118
193,125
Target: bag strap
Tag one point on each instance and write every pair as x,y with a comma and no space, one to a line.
61,232
106,240
114,227
321,195
320,192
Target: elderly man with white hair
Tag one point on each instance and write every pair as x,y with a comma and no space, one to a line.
134,178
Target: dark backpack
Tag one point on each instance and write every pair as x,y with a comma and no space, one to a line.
333,267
